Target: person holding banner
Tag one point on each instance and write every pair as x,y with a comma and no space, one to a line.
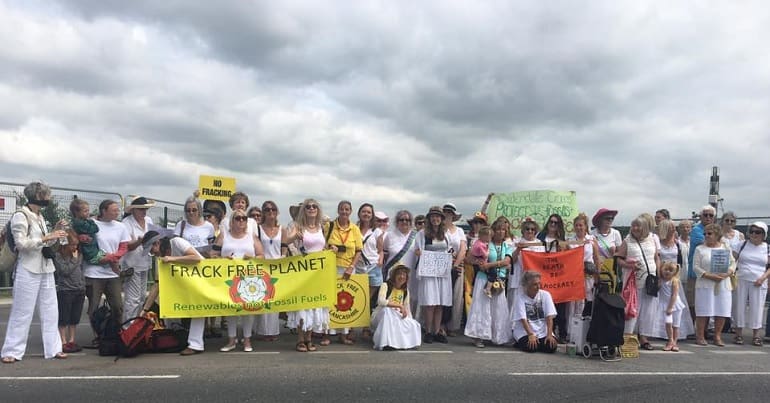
344,238
398,248
435,280
308,235
533,315
553,237
392,320
174,249
590,259
238,242
271,236
639,257
528,241
488,318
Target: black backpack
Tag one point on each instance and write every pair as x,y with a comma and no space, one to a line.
107,329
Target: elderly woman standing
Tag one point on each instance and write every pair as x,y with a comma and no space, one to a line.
489,318
136,262
271,235
238,242
34,283
194,228
398,248
734,239
533,315
640,258
458,243
435,292
608,239
528,241
712,263
753,264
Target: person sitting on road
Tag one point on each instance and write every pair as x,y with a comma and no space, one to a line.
533,314
392,320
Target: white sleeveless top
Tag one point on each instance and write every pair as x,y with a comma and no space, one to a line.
237,247
313,241
271,246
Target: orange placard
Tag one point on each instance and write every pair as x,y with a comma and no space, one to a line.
562,273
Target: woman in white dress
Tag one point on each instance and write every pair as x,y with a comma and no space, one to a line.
435,292
489,318
713,263
458,243
270,235
671,251
392,320
398,249
238,242
308,235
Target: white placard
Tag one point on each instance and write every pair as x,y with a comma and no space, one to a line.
434,264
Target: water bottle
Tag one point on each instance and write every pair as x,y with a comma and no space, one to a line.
64,227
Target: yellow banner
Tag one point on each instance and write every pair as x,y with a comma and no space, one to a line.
216,187
351,306
225,287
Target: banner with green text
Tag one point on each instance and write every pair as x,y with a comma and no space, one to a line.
224,287
538,204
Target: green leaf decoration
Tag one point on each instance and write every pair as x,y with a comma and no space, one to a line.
229,283
273,280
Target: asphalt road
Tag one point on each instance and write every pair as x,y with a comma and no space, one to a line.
453,372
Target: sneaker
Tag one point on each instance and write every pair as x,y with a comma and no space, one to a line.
441,338
428,338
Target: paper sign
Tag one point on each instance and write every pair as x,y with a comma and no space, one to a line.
434,264
216,187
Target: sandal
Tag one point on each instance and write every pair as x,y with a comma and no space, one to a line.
757,341
701,342
738,340
719,343
311,346
9,360
60,356
344,339
301,347
647,346
325,341
675,349
668,347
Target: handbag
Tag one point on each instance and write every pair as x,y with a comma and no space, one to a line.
651,285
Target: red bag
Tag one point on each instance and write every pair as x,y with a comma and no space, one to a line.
135,338
629,295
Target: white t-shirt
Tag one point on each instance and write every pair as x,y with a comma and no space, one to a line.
605,242
515,277
588,248
455,239
110,236
180,245
196,235
393,243
535,310
137,258
752,261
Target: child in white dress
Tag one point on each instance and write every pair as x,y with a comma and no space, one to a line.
670,304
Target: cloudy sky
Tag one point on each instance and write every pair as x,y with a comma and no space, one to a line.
402,104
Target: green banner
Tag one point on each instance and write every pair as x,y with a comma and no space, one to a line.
537,204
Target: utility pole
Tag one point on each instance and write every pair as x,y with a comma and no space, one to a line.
714,188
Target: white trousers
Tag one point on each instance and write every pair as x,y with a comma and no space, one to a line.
268,324
30,290
134,294
247,323
755,297
195,337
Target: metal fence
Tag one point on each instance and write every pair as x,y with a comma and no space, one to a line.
164,213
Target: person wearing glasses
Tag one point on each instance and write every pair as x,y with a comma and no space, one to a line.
419,223
271,235
238,201
308,236
753,270
238,243
608,239
553,237
136,262
398,249
730,235
255,213
713,263
193,228
458,242
697,236
528,241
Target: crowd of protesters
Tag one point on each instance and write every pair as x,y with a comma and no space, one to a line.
710,272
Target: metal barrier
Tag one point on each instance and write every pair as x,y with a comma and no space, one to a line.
164,213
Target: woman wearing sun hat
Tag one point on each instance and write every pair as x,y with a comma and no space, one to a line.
435,292
608,239
752,272
136,263
458,243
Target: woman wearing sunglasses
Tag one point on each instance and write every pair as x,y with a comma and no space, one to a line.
753,271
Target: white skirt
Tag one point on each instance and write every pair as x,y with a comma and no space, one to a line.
708,304
686,326
316,320
393,330
488,318
268,324
648,309
435,291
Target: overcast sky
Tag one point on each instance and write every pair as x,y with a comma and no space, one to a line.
399,103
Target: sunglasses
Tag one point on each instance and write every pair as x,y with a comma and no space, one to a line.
240,218
255,216
311,207
609,217
706,215
528,229
553,222
191,210
756,232
381,221
728,220
269,209
419,223
404,220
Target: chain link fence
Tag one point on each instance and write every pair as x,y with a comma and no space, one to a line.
164,213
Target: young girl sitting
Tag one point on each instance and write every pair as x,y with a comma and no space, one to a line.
392,320
670,304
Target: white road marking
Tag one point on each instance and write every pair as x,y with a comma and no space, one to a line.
737,352
338,352
637,373
426,352
87,378
499,352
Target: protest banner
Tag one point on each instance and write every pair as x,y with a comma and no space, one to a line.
216,187
434,264
351,308
538,204
561,273
225,287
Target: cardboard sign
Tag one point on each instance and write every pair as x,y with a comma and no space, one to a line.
538,204
216,187
434,264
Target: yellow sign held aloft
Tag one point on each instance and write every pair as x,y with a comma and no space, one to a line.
216,187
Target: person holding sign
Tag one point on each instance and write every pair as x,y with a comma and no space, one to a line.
582,239
238,242
533,315
553,237
434,269
271,235
713,264
488,318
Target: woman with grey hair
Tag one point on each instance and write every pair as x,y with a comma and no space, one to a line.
136,262
734,239
533,314
193,228
639,258
398,248
34,283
